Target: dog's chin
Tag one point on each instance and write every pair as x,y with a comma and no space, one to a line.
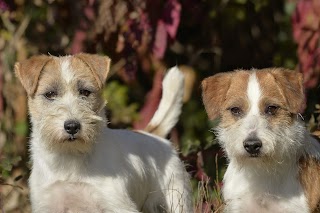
73,139
255,157
70,144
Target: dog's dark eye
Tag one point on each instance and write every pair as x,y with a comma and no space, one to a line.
84,92
50,95
271,110
236,111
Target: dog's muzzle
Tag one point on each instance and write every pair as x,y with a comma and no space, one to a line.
72,127
252,146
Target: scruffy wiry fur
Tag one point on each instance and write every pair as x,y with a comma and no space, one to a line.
273,160
71,197
79,164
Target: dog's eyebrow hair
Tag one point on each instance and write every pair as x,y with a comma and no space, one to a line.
54,85
83,84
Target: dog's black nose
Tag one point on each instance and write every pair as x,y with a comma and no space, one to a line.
72,127
252,145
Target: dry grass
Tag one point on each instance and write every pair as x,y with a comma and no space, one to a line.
14,196
208,199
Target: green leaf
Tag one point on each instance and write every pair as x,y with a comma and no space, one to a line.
241,1
122,111
21,128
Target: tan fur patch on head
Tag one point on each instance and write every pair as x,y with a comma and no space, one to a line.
274,94
83,74
214,90
50,76
223,90
49,80
86,80
290,84
236,97
28,72
98,65
271,91
309,174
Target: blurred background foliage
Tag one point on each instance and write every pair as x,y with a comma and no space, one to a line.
144,38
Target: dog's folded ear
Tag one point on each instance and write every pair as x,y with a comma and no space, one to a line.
28,72
99,66
214,90
291,84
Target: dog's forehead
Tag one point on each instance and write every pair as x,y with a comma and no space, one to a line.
239,83
237,91
266,80
254,86
67,69
51,71
270,90
73,68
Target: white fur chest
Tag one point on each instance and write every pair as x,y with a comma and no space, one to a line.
109,170
251,192
106,164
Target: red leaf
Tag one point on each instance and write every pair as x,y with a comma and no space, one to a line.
160,43
306,33
201,174
174,7
166,26
1,87
78,40
81,33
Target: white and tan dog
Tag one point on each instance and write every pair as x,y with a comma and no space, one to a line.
80,165
273,160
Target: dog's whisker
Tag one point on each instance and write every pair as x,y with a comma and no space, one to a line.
96,117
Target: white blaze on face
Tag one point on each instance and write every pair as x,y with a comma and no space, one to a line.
69,99
66,71
254,95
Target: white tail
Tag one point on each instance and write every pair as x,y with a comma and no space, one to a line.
167,114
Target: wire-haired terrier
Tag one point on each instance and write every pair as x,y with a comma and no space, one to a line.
273,160
79,164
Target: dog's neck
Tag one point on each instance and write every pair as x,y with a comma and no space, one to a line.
276,181
59,159
312,146
259,168
56,162
274,178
